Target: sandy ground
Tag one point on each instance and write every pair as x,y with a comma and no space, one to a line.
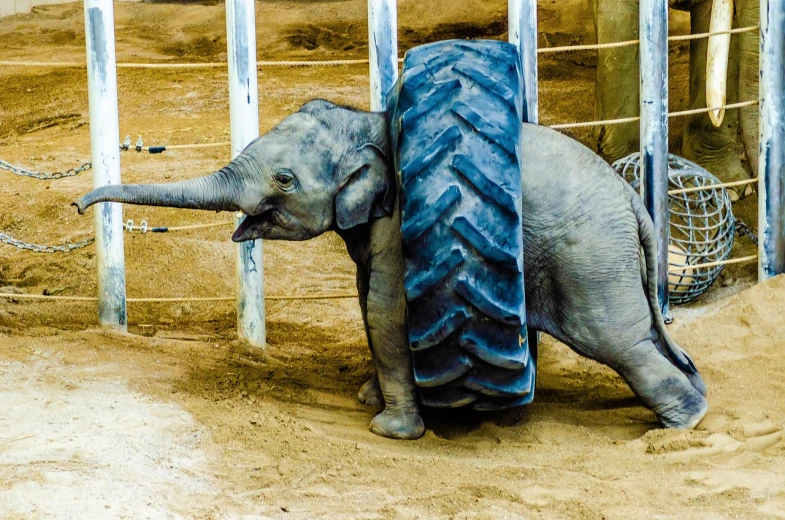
177,419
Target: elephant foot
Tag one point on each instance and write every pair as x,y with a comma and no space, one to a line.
675,397
398,425
741,192
685,414
371,394
717,152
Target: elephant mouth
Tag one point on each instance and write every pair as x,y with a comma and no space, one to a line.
251,228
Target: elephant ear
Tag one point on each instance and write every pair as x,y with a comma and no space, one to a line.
366,189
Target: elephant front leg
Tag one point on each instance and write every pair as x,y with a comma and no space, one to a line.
712,147
387,328
370,392
616,92
748,14
387,323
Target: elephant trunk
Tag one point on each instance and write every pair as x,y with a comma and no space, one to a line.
717,59
213,192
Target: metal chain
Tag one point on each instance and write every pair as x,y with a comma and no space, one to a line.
743,230
18,170
37,248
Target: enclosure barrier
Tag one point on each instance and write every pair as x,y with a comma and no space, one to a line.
654,131
244,122
522,32
104,136
771,161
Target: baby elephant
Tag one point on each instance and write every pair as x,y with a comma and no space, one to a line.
589,258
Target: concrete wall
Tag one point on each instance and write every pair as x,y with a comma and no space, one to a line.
9,7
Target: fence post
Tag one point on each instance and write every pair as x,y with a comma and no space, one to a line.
771,188
382,49
244,121
654,130
522,32
105,152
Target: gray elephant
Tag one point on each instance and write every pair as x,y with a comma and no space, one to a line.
617,89
589,248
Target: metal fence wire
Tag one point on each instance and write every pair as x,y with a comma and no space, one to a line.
44,176
38,248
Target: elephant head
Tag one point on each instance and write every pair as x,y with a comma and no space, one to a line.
323,167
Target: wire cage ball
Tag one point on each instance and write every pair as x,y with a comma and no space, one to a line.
701,221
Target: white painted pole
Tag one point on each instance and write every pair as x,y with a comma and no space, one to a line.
105,150
654,130
522,32
771,188
383,50
244,121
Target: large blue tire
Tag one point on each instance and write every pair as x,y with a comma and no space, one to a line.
455,120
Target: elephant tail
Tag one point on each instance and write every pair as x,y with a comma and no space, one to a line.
648,241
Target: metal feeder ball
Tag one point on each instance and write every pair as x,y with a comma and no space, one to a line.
702,225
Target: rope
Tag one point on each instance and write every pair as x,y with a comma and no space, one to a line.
712,186
164,300
588,47
196,145
681,113
336,63
705,110
144,228
595,123
685,37
196,226
719,262
213,65
629,43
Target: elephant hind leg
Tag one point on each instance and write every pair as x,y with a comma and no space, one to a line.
676,398
665,350
370,393
662,387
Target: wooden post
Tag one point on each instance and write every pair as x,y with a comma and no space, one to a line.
105,150
522,32
244,121
383,50
654,130
771,187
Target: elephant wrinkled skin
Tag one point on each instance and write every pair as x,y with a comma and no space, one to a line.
589,249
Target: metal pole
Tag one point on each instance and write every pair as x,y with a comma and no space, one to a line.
105,150
654,130
771,188
522,31
244,121
383,50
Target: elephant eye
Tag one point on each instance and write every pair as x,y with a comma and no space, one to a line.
284,179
